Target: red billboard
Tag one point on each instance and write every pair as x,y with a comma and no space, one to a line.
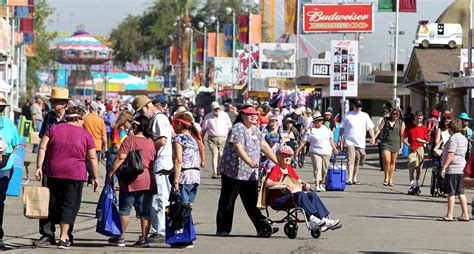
338,18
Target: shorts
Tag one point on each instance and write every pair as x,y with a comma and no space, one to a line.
453,184
356,155
188,192
141,200
216,145
415,158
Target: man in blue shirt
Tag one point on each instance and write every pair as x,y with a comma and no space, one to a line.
109,119
9,139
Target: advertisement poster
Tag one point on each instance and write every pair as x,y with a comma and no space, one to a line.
464,60
223,70
277,60
344,68
338,18
320,68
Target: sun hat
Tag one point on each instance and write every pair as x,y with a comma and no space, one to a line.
317,116
299,111
286,150
3,100
273,118
464,116
249,111
288,119
59,93
140,102
215,105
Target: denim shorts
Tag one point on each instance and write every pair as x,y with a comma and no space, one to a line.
188,192
141,200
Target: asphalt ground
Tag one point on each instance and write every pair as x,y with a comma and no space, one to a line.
375,218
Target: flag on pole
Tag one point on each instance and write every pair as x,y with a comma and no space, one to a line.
222,52
391,5
18,2
243,23
167,61
271,21
199,50
256,29
228,37
185,51
211,44
22,12
174,57
26,25
290,17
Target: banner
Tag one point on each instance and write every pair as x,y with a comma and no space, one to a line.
223,70
174,55
277,60
185,51
255,29
464,64
22,12
344,68
228,37
211,44
167,61
18,2
222,52
26,25
339,18
243,23
290,17
271,21
391,6
199,50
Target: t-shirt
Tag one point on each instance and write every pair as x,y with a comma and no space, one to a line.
414,132
37,111
456,144
191,159
67,152
160,127
146,180
11,137
319,140
109,119
355,127
263,120
96,127
50,119
276,174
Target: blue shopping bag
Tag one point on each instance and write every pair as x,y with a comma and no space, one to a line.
186,235
108,218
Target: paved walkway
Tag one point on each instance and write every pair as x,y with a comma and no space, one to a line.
375,219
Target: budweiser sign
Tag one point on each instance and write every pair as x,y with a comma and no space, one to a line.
323,18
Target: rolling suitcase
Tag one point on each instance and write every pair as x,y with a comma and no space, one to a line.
337,173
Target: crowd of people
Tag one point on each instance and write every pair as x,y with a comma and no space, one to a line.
246,145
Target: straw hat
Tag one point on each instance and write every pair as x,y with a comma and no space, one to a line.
59,93
140,102
3,100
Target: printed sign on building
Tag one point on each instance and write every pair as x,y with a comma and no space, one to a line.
223,70
320,68
277,60
323,18
344,68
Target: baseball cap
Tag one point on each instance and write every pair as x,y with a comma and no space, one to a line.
358,103
94,106
286,150
249,111
215,105
109,106
435,113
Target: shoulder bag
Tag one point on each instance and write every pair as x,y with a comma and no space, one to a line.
132,166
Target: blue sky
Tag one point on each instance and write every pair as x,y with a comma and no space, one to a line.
101,16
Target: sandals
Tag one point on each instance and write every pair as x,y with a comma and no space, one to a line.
385,183
391,184
462,219
348,182
356,183
445,219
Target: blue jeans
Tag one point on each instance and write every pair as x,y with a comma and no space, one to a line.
39,123
5,176
188,192
309,201
110,157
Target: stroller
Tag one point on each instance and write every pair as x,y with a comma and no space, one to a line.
291,218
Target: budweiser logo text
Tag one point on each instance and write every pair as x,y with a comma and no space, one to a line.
316,16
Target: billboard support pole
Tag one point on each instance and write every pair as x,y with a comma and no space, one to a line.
396,102
298,20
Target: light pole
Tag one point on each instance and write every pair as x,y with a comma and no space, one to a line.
216,20
203,25
394,31
189,31
249,67
229,11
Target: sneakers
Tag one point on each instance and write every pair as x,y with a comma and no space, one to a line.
411,190
315,223
2,244
318,188
156,238
417,190
322,188
116,241
66,244
44,241
222,233
141,244
330,224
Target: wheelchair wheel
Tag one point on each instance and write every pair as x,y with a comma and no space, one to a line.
301,158
266,230
291,229
316,233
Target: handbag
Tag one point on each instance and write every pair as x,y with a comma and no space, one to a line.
35,202
383,135
132,166
107,214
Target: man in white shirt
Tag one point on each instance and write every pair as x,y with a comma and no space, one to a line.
354,127
161,133
217,125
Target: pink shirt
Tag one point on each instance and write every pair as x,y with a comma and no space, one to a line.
66,154
217,126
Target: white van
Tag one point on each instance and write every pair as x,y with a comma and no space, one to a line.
438,34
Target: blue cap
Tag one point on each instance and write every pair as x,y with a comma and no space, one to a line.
464,116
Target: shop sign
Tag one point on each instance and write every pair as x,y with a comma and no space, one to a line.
338,18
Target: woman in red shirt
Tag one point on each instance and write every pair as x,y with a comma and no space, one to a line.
316,213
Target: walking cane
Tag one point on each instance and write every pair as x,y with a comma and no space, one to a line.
426,170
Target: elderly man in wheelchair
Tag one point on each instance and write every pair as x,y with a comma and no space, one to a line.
285,190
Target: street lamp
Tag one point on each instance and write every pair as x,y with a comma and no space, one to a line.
189,31
214,19
229,11
202,25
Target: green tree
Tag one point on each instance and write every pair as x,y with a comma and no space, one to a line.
44,57
127,40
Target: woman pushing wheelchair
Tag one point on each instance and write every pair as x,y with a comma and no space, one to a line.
285,186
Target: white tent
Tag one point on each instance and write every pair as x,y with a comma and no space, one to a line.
5,87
